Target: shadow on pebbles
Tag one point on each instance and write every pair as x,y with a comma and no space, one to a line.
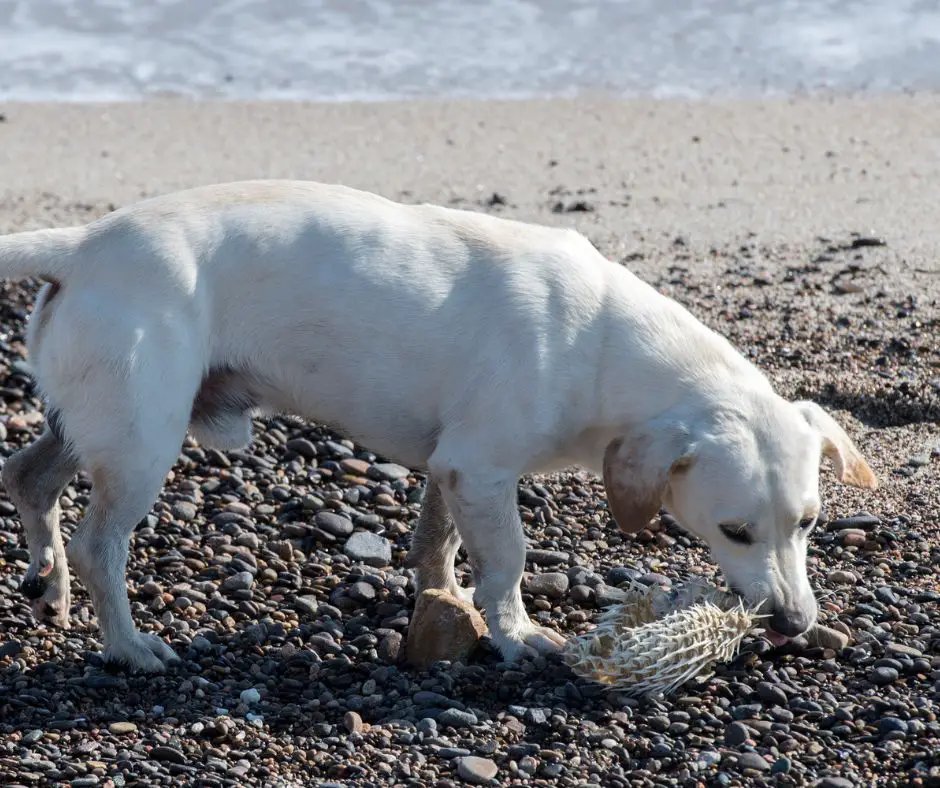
276,573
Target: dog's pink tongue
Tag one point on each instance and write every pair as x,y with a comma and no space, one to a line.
775,638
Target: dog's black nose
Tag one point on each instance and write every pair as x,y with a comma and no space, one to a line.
789,622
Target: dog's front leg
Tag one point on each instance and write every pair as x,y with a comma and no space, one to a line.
34,478
483,505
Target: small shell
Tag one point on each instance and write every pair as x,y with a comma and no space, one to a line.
656,641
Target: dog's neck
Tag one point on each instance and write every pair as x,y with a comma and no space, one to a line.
651,340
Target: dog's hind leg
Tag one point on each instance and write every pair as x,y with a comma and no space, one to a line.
126,423
434,546
127,476
126,480
34,478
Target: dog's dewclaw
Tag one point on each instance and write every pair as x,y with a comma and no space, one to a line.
46,561
640,649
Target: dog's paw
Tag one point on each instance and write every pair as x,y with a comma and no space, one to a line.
141,654
46,586
543,640
532,642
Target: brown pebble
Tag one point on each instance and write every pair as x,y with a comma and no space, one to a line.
476,770
354,466
352,721
443,627
852,537
893,648
842,627
827,637
554,585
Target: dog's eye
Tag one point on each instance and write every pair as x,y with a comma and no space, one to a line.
807,523
737,532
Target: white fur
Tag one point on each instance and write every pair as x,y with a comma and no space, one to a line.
475,348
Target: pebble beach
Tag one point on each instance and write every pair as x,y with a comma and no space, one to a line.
803,229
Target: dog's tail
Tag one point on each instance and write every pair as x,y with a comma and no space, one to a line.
43,254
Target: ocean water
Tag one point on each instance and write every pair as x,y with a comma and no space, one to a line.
338,50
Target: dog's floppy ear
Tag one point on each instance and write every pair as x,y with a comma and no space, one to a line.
637,469
850,466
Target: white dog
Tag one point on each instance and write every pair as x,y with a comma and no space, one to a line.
475,348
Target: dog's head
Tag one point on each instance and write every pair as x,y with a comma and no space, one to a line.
746,482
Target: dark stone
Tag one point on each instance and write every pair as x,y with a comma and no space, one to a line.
334,524
891,725
752,760
884,675
168,754
455,718
736,734
771,694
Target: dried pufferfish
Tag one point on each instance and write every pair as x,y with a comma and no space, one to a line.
655,641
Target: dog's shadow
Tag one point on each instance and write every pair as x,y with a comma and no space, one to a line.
900,406
302,693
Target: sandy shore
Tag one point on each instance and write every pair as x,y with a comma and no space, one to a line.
786,170
805,231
